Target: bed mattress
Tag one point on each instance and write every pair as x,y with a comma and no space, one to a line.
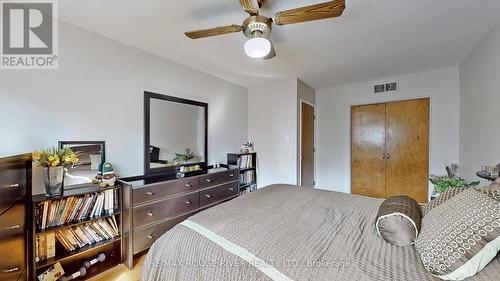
285,232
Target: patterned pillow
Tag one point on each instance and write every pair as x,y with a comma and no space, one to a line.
398,220
450,192
460,236
447,194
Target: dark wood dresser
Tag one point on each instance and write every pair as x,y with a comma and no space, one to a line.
15,184
151,206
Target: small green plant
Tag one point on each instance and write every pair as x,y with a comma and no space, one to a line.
188,155
451,179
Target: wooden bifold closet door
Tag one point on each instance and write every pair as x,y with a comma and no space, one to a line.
390,149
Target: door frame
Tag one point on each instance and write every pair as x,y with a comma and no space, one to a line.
299,176
389,101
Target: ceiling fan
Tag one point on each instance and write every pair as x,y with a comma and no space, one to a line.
257,28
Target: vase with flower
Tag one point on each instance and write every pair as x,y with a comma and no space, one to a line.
54,161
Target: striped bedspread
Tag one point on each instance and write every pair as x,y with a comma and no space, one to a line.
285,232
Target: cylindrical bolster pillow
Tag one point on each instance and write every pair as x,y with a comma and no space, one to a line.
398,220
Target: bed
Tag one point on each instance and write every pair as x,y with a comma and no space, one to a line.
285,232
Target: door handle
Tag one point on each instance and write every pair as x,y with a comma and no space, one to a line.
14,185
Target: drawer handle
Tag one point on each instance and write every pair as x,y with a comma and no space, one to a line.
189,202
208,180
150,193
150,213
14,185
231,189
188,185
150,236
11,270
16,226
231,175
208,196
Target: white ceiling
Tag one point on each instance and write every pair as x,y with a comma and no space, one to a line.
373,38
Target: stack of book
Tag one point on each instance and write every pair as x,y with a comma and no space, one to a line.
45,246
245,161
247,177
75,237
75,208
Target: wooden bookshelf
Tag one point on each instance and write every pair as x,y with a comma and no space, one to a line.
235,159
72,261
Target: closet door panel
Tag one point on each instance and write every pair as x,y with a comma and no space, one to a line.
368,147
407,145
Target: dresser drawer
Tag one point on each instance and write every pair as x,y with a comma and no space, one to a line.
164,209
152,192
145,237
218,178
12,221
12,184
12,263
218,193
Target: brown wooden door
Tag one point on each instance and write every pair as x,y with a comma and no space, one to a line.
307,145
368,147
407,147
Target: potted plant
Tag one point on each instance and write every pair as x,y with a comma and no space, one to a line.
451,179
53,162
184,157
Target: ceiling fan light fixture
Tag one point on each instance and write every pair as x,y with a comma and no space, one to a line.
257,47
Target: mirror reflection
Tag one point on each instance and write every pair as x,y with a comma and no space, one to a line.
91,156
177,134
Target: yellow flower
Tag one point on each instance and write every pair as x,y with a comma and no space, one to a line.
55,163
37,155
51,158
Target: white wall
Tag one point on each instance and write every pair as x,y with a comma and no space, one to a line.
480,106
272,125
333,151
97,94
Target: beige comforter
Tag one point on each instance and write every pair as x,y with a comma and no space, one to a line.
299,232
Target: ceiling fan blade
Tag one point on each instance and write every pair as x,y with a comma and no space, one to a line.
248,6
213,31
330,9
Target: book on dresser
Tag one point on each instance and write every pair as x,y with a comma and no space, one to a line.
76,227
247,163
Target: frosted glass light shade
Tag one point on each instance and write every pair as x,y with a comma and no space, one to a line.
257,47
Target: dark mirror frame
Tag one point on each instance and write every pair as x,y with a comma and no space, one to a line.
147,122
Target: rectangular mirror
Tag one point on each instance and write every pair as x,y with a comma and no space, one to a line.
175,133
91,155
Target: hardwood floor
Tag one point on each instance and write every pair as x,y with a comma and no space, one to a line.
121,273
